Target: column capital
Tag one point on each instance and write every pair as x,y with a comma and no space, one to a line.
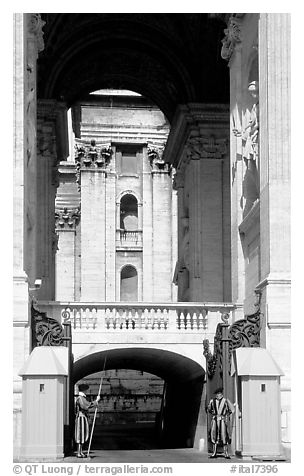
66,219
92,155
232,37
155,155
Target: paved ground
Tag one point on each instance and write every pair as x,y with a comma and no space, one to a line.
184,455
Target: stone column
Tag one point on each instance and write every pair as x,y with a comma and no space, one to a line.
197,148
93,234
204,180
274,66
27,44
236,163
162,229
52,146
174,239
181,273
66,221
20,277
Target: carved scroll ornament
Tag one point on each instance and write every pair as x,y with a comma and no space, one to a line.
246,332
46,331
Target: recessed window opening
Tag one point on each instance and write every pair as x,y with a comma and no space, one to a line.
129,162
128,213
128,284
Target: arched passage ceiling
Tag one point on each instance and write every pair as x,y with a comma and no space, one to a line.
167,365
170,58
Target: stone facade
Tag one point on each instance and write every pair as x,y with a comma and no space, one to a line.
231,153
118,161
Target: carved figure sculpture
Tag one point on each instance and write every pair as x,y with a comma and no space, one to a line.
251,132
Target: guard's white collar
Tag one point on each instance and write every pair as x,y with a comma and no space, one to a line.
82,394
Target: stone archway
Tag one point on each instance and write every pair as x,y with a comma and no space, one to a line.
184,379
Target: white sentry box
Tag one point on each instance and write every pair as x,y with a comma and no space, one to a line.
43,404
257,388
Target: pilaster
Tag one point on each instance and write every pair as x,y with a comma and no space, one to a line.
20,277
93,230
198,148
33,45
161,205
66,221
147,228
51,147
236,165
274,65
110,234
28,42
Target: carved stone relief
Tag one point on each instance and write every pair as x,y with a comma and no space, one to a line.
232,38
35,25
205,147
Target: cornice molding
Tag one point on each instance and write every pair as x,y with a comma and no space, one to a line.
195,120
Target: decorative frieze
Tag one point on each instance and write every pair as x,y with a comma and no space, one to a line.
205,147
67,219
232,38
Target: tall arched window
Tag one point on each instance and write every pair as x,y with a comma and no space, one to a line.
129,213
128,284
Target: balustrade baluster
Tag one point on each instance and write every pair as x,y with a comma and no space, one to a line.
139,318
133,318
160,320
78,318
87,318
123,318
113,318
94,318
165,318
153,314
191,314
204,318
146,318
107,318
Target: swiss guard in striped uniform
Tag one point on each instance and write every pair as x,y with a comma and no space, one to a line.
82,406
220,409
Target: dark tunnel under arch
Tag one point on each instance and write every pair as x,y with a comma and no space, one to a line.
184,380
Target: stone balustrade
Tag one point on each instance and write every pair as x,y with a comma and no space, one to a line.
129,238
128,235
138,316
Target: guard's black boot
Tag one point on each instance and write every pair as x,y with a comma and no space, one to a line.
214,451
226,452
